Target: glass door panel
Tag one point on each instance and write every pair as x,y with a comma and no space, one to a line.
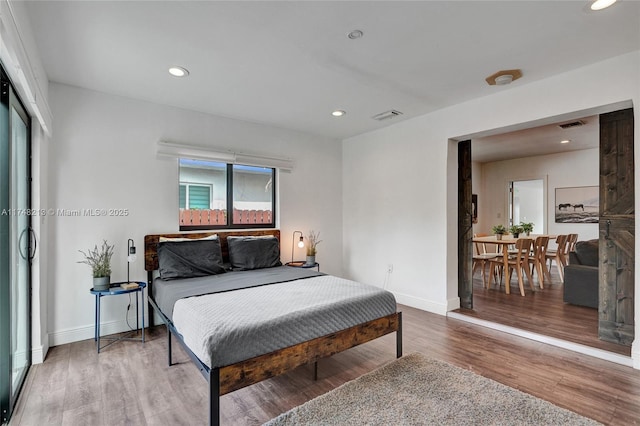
19,236
15,247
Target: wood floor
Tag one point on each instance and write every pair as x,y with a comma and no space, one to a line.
131,384
542,312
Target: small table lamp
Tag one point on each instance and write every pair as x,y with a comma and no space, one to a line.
131,257
300,242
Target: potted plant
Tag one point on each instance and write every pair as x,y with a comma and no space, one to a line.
499,230
100,261
527,227
313,239
516,230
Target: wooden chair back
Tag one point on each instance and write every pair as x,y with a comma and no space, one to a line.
540,246
563,248
520,262
521,252
562,243
538,259
572,239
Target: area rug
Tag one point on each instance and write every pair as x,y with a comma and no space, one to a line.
416,390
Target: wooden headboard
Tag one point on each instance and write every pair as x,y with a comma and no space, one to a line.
151,243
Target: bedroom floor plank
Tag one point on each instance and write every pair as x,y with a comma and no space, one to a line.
135,386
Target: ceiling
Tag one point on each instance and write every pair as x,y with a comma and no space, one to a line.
538,140
290,64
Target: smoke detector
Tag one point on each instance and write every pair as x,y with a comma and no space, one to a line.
503,77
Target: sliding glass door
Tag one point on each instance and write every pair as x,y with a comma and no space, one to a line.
15,247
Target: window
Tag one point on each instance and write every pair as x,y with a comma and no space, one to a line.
196,196
209,191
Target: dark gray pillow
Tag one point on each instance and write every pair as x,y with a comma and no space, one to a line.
587,252
247,253
189,259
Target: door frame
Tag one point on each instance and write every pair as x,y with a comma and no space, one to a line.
466,286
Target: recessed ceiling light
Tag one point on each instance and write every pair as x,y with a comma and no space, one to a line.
338,113
565,141
178,71
355,34
601,4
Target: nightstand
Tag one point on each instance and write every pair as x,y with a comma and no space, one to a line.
115,289
303,264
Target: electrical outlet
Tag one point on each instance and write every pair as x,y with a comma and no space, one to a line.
390,268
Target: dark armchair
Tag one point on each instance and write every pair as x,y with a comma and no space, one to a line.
581,275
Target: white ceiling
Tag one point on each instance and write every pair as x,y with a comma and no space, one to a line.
537,141
289,64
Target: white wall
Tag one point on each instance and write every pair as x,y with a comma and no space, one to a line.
568,169
103,156
414,163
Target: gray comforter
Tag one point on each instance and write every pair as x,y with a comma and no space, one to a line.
167,292
231,326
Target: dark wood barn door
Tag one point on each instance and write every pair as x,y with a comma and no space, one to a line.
465,226
617,228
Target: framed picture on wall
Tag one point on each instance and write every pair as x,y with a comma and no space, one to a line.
474,207
580,204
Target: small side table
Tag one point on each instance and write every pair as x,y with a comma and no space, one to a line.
114,289
303,264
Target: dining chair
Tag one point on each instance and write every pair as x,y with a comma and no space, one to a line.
538,259
572,239
481,258
489,247
518,262
559,255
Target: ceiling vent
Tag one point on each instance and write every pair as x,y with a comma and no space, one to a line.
386,115
571,124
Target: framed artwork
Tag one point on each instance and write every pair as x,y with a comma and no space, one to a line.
474,207
580,204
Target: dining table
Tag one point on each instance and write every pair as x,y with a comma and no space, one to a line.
505,241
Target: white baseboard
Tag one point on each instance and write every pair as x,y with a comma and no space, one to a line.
77,334
575,347
453,304
418,303
38,354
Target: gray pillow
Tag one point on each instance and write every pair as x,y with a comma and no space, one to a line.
587,252
246,253
189,259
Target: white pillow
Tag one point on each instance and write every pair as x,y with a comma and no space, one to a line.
182,239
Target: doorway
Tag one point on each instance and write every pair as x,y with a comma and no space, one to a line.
624,138
526,203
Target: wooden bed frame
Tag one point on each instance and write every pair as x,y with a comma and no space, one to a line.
223,380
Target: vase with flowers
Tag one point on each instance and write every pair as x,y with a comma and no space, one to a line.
313,239
99,259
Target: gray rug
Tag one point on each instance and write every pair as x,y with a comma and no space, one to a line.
416,390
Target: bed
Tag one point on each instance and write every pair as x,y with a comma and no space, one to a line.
261,319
